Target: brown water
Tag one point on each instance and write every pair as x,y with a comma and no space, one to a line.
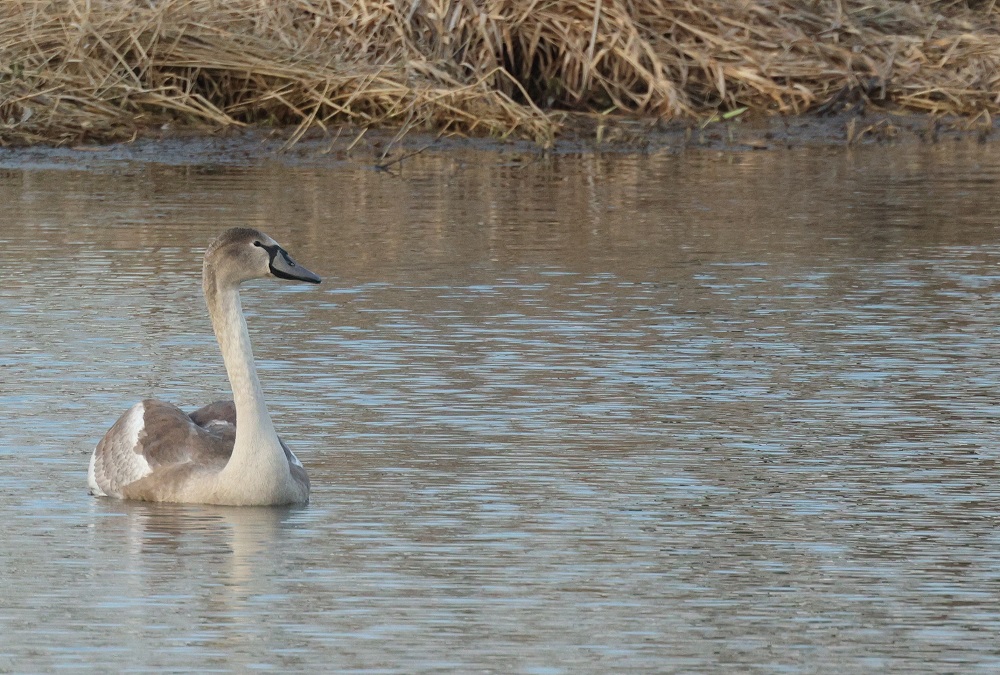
697,413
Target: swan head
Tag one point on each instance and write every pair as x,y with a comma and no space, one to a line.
242,253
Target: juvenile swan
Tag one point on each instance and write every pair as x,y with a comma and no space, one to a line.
157,453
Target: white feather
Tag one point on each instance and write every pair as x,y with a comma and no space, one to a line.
134,425
119,464
95,489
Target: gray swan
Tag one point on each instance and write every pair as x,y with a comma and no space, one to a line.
157,453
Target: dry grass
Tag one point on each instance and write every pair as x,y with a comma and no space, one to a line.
106,69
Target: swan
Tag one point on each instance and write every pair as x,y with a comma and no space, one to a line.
155,452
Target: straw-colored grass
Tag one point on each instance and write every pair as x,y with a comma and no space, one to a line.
73,70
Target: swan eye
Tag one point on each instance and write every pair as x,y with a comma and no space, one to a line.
257,243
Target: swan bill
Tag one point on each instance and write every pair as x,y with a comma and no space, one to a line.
283,267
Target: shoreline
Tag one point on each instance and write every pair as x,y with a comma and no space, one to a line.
386,148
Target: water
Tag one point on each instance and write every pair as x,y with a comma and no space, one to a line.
700,413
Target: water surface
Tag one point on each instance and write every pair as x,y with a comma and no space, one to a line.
697,413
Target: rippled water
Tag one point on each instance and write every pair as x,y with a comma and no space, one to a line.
731,413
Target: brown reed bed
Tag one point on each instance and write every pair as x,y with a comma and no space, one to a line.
102,70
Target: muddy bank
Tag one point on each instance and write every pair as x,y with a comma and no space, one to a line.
389,150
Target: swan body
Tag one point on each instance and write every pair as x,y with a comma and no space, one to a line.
156,452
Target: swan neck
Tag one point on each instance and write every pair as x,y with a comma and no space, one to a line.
257,471
230,327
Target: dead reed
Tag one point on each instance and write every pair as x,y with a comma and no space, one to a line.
72,70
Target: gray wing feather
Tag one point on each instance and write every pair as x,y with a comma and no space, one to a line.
217,412
220,413
153,435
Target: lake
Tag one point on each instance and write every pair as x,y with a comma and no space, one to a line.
566,413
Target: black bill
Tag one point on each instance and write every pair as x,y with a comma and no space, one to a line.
283,267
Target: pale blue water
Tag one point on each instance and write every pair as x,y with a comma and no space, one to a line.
698,413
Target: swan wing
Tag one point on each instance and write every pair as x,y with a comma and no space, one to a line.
217,415
153,436
294,465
